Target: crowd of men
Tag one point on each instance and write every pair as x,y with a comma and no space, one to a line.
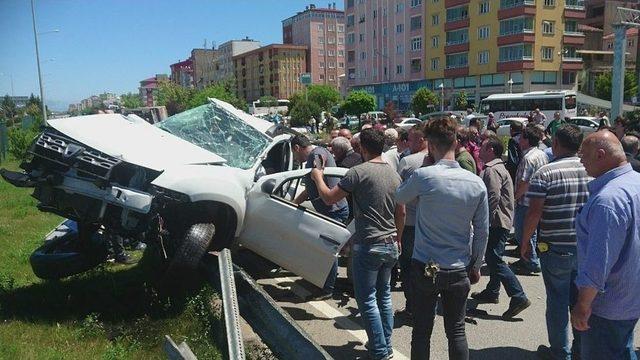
441,200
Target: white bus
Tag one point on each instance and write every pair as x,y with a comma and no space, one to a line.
257,108
520,105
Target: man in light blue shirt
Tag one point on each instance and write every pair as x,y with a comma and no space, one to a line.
608,234
446,255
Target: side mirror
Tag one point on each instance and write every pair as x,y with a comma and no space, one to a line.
268,186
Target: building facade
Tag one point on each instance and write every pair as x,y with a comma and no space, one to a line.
182,73
272,70
149,89
602,14
224,61
322,31
203,62
480,47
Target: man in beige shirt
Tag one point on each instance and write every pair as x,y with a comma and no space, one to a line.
500,195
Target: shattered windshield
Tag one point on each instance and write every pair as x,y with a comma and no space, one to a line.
219,131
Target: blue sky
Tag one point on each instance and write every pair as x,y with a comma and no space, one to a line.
110,45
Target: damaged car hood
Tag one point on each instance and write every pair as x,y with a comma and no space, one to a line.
136,142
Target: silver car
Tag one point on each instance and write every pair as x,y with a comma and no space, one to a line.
587,124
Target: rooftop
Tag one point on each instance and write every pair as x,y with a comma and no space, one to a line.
272,46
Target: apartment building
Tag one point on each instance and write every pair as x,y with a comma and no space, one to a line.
182,73
479,46
223,63
603,14
203,62
385,48
272,70
322,31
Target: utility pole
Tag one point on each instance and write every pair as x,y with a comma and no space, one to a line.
35,35
626,18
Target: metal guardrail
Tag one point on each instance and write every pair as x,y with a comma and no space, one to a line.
230,306
284,337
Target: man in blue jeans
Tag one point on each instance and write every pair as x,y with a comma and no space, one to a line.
446,256
379,222
608,305
556,193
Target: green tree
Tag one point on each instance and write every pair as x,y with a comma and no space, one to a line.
324,95
424,101
269,102
216,91
461,102
604,82
34,100
131,100
8,107
358,102
303,111
174,97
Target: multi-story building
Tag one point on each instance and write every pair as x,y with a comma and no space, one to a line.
182,73
481,47
603,14
272,70
203,67
224,61
384,47
149,89
322,31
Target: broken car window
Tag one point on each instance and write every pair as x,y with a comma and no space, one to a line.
217,130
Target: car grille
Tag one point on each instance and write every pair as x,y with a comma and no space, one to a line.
69,153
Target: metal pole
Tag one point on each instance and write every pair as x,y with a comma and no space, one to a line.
617,83
35,35
11,85
230,306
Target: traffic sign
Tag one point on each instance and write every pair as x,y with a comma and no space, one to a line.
305,79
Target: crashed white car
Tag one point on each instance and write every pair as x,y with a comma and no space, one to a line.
196,182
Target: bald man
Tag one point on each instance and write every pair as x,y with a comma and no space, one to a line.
345,133
608,232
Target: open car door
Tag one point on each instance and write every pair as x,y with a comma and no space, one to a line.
293,236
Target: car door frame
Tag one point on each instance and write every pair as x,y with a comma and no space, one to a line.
292,236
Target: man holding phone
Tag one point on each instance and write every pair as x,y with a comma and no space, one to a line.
319,157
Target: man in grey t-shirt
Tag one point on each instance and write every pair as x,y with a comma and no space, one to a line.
378,220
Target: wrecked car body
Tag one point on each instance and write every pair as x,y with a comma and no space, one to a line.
196,182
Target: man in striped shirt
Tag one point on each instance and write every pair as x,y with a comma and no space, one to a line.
556,192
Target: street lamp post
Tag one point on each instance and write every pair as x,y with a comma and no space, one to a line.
441,87
510,82
35,35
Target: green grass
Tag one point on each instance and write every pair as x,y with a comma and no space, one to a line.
112,312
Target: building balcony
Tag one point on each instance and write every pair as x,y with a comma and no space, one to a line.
573,38
456,71
456,24
451,3
571,63
573,13
525,37
574,5
520,9
454,47
526,63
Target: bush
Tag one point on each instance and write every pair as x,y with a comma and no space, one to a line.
19,142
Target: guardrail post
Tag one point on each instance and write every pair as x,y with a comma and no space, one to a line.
230,306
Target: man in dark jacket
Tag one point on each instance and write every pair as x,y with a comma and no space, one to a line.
514,154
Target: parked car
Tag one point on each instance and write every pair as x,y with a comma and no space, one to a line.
377,115
408,122
197,181
440,114
504,125
587,124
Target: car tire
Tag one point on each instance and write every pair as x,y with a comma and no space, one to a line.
190,250
61,257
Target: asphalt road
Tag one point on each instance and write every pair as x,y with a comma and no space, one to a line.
335,324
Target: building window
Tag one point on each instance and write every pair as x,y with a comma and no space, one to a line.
361,38
331,27
549,2
332,65
548,27
416,44
321,40
321,27
484,7
350,20
341,65
457,13
571,26
435,19
455,61
321,77
517,52
399,7
416,65
483,32
544,77
483,57
341,53
363,55
516,26
398,69
351,73
435,64
415,3
399,49
384,31
416,23
331,40
340,40
332,78
435,41
321,64
351,56
331,53
399,28
340,28
321,52
351,38
349,4
458,37
547,53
